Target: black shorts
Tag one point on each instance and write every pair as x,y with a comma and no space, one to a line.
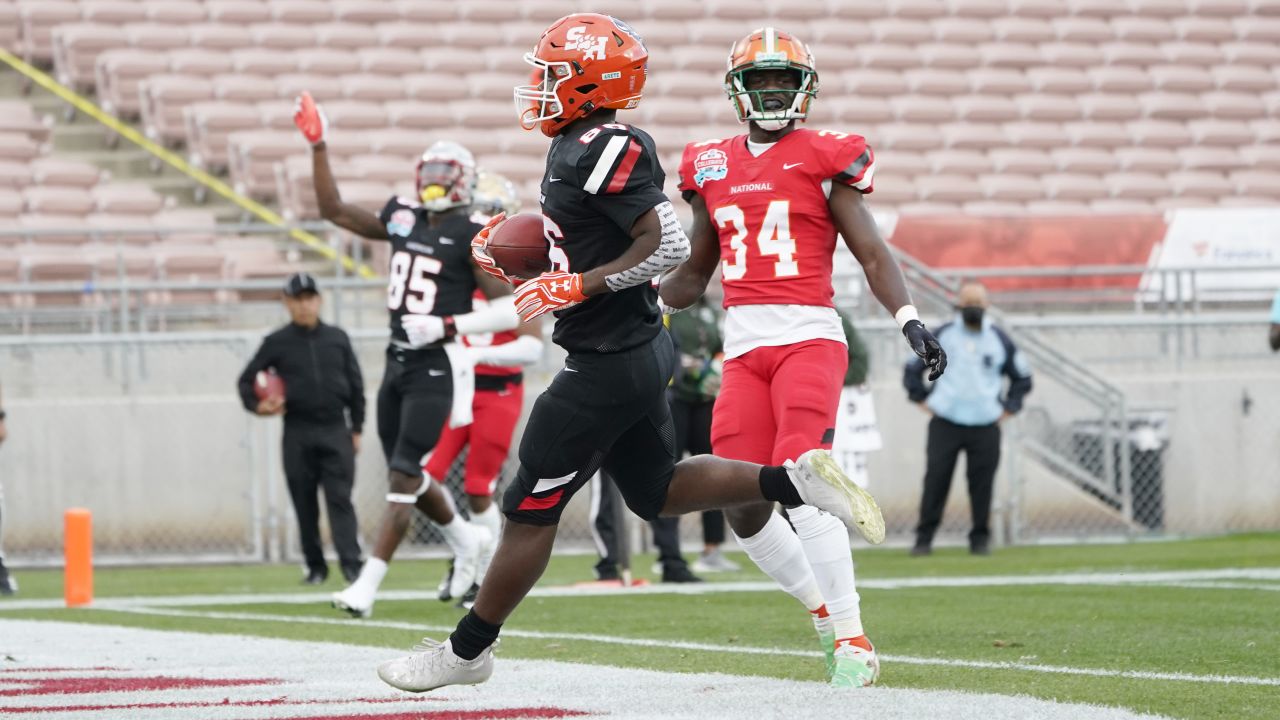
413,405
603,410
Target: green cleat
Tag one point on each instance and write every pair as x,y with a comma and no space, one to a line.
854,667
827,638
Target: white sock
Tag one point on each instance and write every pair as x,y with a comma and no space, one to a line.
370,577
826,545
490,520
458,535
777,551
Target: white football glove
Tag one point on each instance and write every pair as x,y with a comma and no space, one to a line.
422,330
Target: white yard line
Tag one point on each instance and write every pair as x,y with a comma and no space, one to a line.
708,647
1177,578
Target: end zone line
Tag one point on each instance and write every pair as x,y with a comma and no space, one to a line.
708,647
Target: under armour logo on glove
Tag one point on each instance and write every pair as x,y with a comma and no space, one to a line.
310,119
547,292
480,249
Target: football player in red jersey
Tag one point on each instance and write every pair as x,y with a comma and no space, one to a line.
498,401
767,207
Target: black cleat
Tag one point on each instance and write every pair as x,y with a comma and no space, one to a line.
442,592
8,586
921,549
469,597
679,574
315,577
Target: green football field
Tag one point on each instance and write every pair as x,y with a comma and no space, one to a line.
1183,629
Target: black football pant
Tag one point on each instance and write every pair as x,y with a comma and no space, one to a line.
981,445
693,435
322,457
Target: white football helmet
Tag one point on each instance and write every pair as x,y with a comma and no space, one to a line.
445,177
493,194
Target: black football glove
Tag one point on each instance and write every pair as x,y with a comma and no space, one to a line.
926,346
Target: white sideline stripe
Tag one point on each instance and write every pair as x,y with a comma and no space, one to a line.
601,170
738,649
1177,578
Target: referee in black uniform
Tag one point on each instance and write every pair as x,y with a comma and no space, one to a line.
323,416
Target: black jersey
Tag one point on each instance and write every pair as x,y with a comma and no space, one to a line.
598,183
430,269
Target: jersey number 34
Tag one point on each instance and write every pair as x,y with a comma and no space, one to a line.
772,239
412,282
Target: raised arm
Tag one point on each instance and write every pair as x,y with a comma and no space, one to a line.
311,122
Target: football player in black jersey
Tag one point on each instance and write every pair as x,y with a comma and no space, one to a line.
427,380
613,231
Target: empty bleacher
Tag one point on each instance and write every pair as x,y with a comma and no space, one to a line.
1008,106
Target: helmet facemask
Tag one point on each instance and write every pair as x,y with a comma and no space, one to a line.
763,106
445,177
540,101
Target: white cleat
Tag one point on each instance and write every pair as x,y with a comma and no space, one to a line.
822,484
433,665
466,564
353,603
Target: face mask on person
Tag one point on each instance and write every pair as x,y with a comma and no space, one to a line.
972,315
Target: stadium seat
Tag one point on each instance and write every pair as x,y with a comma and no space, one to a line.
889,56
199,61
1263,157
219,36
1072,186
1109,106
1008,55
37,18
417,11
326,61
997,81
112,12
11,205
1034,134
1204,29
1220,7
1159,133
290,85
243,88
194,264
360,11
56,171
156,36
344,36
1082,29
892,189
76,47
242,12
1054,108
1262,54
921,108
947,188
251,156
64,267
278,114
300,11
380,88
905,136
16,146
1170,106
985,108
1180,78
167,12
1022,29
1009,187
119,74
1234,105
18,117
930,81
1220,132
1147,159
955,162
111,229
51,230
57,200
1097,134
912,8
961,30
267,62
1063,80
871,82
126,199
1139,28
1199,183
948,55
1260,29
207,126
190,225
389,61
1071,54
1136,185
1259,183
1199,54
1083,159
163,98
416,114
1027,161
348,115
1056,208
993,208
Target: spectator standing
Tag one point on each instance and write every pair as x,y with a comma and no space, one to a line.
323,412
967,406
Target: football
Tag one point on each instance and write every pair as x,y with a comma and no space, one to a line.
519,246
267,385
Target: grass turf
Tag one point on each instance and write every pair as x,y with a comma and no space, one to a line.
1200,631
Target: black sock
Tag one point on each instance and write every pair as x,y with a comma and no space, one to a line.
776,485
472,636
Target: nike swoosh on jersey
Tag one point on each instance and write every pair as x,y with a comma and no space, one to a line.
554,179
446,240
788,166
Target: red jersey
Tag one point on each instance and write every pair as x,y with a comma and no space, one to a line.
478,300
776,232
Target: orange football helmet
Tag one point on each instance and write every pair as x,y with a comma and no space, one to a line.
587,62
770,49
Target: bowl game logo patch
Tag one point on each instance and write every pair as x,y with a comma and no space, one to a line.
710,165
401,222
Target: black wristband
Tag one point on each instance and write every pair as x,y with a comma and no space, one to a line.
450,328
3,414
